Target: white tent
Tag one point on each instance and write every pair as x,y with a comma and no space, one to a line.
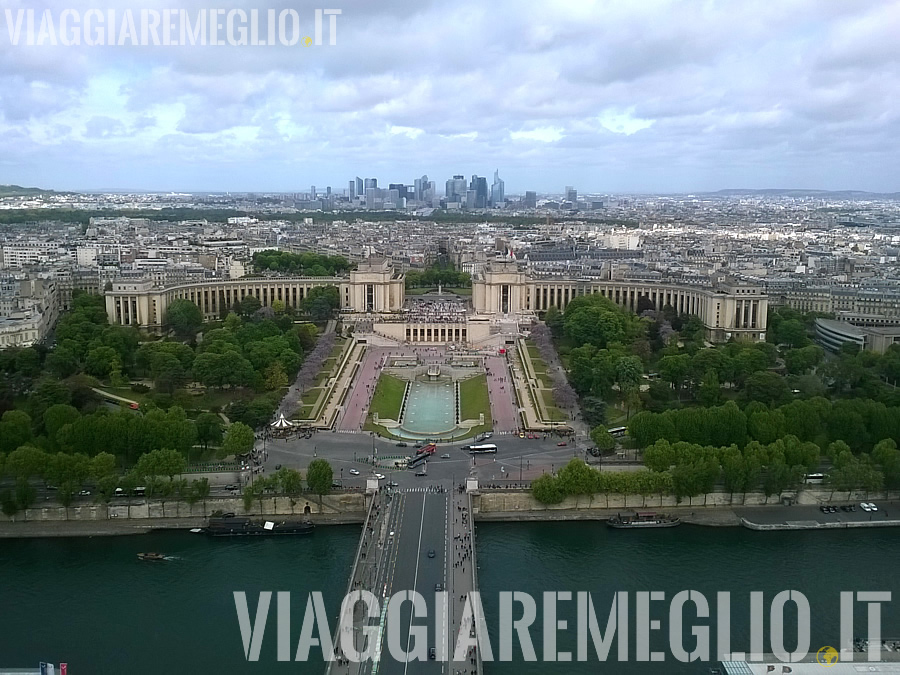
282,423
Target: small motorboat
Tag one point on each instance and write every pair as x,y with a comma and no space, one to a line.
151,556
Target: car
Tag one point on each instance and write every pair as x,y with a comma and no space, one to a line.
277,466
418,445
393,484
379,476
229,514
421,473
431,654
431,553
561,444
392,533
823,508
438,588
852,507
872,507
85,493
134,406
232,486
446,455
865,506
401,444
832,509
354,472
52,487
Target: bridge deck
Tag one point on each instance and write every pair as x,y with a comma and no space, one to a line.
393,556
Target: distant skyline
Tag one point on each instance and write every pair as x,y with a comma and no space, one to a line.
659,96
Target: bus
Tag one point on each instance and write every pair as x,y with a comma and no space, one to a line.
487,448
814,478
617,432
415,461
426,450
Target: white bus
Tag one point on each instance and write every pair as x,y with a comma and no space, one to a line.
814,478
617,432
487,448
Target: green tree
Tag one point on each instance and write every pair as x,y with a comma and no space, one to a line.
766,387
710,392
15,430
276,378
100,361
162,462
239,439
62,362
554,320
57,416
547,490
321,302
184,317
319,476
603,439
250,304
26,462
675,369
209,429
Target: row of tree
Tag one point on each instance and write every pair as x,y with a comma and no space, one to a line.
289,482
688,470
123,433
69,474
861,423
302,264
446,275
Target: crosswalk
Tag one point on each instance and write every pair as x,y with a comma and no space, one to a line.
421,489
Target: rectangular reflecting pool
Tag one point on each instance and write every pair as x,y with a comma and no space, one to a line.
430,410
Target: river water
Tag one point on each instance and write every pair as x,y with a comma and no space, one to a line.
91,603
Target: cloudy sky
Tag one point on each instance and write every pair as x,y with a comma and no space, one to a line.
615,96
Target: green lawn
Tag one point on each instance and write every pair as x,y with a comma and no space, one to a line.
388,397
474,398
310,396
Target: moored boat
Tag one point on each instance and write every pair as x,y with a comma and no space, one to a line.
245,527
642,520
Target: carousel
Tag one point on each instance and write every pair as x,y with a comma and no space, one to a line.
282,427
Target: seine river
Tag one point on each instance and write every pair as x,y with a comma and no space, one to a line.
91,603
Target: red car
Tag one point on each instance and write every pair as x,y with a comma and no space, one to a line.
134,406
561,444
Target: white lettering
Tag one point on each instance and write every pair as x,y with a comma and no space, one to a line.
676,627
241,29
295,27
587,622
507,625
196,33
252,636
15,27
319,617
645,625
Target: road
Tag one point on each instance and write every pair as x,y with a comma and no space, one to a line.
518,460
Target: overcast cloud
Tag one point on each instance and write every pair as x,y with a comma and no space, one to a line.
629,96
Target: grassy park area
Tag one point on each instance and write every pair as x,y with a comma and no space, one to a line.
388,397
474,398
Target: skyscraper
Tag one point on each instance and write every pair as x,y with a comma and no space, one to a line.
530,201
312,192
360,187
371,183
351,190
497,190
480,187
571,194
456,189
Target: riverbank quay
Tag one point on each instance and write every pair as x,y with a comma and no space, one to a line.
794,511
112,528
